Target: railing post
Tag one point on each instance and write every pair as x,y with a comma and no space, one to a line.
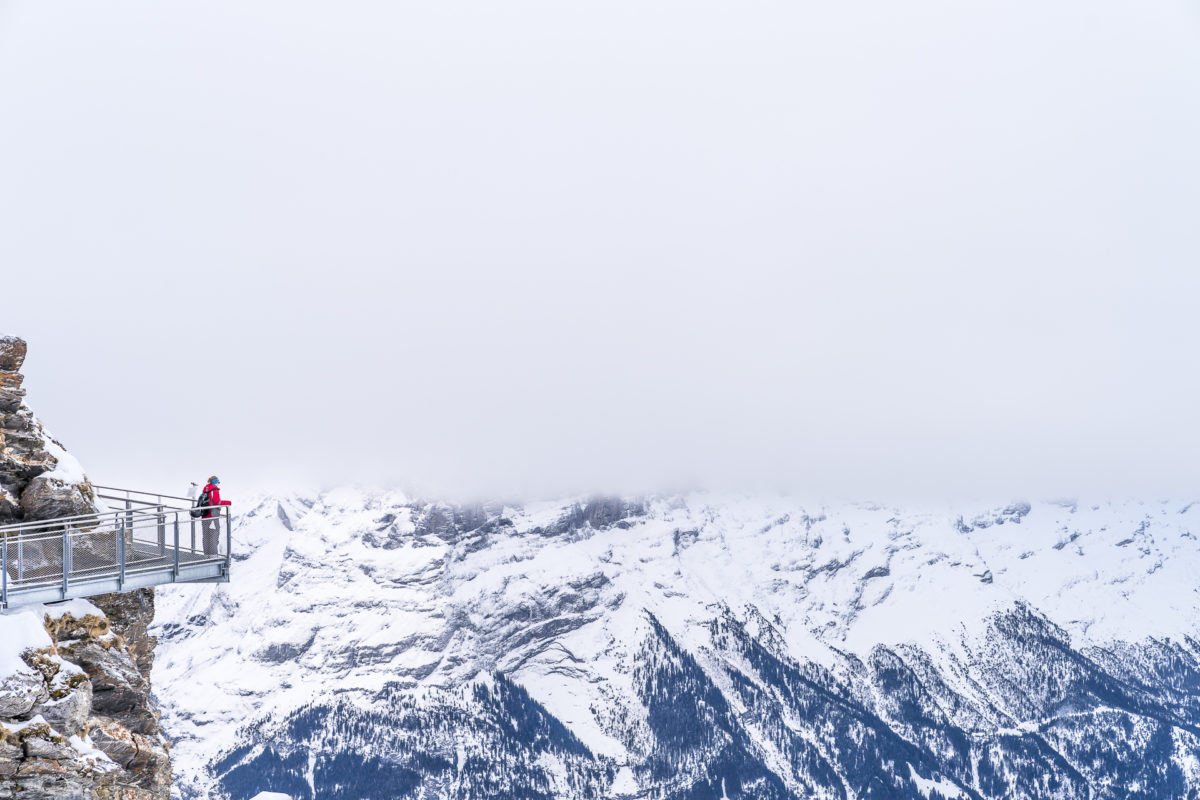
121,558
228,537
162,533
176,576
20,556
193,535
4,574
129,516
66,560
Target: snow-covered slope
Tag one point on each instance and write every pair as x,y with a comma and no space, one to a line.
696,646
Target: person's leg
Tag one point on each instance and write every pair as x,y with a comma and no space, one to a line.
211,528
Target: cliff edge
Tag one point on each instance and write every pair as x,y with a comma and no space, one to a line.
77,718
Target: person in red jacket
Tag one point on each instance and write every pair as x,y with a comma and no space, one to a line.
212,518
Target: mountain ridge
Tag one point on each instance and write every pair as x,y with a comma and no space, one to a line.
963,645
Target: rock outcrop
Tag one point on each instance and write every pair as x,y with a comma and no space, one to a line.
77,718
38,479
80,721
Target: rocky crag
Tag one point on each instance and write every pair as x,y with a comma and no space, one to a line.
34,484
77,719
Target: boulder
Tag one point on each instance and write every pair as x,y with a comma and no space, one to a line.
20,692
114,740
47,497
37,747
144,758
68,714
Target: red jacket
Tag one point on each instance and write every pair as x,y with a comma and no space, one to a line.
214,498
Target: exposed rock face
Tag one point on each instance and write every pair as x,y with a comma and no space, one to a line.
12,356
81,723
130,614
23,457
30,485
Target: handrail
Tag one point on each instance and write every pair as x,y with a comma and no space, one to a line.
127,492
141,503
82,520
33,533
59,521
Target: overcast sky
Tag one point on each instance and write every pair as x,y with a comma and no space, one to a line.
870,248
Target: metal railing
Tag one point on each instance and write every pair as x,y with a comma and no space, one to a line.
142,540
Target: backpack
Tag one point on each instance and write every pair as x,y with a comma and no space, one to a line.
202,502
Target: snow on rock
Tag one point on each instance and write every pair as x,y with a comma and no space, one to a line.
67,468
20,630
93,755
78,608
21,686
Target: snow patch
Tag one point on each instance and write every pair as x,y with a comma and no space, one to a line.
89,752
68,469
20,630
78,608
624,784
17,727
926,787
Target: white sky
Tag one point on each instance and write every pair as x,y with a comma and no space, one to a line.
869,248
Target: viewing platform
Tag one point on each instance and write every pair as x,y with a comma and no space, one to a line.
143,539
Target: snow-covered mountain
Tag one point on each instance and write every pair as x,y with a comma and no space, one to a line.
701,646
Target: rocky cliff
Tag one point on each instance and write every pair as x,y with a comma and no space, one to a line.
77,719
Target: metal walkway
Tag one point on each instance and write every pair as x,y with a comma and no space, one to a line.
143,540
